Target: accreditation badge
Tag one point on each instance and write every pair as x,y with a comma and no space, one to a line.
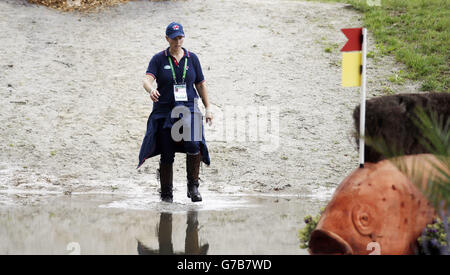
179,91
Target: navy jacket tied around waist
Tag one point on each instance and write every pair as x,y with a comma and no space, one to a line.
161,114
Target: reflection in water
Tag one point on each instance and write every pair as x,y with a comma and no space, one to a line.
47,228
191,245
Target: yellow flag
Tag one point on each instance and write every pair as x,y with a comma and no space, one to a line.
351,71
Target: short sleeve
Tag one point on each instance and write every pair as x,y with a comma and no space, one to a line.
198,70
152,68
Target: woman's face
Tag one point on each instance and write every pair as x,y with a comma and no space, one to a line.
175,43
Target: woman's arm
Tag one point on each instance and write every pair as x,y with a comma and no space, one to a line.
148,86
203,92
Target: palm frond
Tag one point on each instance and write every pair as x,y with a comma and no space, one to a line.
436,139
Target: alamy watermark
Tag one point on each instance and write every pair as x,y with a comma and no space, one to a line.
74,248
374,247
372,3
231,124
73,3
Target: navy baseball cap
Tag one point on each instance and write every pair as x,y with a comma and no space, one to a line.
174,29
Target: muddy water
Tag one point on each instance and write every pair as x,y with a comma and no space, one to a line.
117,224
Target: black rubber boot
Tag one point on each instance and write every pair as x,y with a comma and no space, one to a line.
192,170
166,178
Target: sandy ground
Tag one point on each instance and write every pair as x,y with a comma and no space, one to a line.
74,112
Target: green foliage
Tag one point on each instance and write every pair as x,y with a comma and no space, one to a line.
434,239
371,54
304,234
396,78
416,32
436,139
435,130
387,90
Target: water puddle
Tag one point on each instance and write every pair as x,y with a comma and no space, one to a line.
137,224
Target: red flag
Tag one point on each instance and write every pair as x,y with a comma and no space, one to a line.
354,42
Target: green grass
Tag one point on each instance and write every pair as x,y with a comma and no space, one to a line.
397,78
416,32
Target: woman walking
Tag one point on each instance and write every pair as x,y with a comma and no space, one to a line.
176,71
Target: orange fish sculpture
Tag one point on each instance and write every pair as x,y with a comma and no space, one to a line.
376,207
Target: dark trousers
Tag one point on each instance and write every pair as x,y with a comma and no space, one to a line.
164,139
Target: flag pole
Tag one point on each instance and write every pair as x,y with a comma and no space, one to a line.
362,114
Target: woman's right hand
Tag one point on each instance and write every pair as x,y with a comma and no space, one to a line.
154,95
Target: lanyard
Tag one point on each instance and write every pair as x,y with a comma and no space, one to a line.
173,71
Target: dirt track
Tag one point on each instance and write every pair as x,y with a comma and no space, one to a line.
74,111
